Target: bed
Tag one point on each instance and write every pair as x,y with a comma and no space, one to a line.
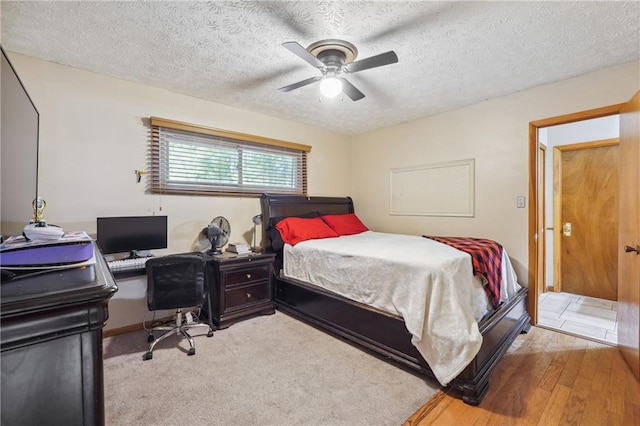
373,327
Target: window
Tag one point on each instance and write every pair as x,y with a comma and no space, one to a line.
187,158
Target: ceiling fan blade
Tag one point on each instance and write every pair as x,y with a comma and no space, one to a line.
299,84
260,80
386,58
295,48
351,91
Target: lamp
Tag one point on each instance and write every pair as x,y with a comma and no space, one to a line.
257,220
330,87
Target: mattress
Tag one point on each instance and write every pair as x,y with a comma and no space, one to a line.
428,284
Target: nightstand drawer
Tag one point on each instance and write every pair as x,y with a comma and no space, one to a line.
246,275
247,295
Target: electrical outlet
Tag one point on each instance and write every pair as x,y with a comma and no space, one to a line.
521,201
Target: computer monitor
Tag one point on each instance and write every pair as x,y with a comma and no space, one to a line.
131,234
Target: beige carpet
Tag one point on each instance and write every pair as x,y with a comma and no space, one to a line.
268,370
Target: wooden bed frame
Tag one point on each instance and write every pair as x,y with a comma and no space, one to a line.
377,331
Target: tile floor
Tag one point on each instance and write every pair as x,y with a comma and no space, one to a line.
584,316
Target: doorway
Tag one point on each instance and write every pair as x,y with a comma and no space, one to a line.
561,310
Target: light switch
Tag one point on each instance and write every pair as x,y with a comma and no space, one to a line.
521,201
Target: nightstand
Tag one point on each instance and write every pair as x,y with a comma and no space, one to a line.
240,287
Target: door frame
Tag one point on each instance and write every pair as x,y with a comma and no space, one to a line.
535,279
541,218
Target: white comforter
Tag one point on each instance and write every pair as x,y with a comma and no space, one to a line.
429,284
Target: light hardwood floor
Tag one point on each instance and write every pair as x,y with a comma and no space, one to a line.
547,378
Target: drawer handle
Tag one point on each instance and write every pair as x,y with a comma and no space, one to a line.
248,295
248,276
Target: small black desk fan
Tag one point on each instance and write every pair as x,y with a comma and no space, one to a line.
216,235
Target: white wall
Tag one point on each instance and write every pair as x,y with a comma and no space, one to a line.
94,133
495,133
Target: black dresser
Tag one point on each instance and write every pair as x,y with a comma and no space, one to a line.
51,346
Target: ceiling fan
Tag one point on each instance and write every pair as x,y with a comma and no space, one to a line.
335,58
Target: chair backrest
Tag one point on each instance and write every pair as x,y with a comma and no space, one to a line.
176,281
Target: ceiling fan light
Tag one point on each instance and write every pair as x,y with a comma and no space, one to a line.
330,87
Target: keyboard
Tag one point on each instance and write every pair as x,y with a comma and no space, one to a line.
137,263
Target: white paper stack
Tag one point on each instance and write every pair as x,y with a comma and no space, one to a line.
238,248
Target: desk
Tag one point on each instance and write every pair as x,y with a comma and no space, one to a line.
51,346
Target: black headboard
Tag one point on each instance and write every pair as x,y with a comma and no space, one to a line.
278,206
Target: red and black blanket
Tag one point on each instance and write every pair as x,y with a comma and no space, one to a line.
486,259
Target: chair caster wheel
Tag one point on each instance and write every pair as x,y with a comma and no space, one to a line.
147,356
150,338
210,333
192,351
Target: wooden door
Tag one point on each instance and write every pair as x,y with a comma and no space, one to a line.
629,232
588,233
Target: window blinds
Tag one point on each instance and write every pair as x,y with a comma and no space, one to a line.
185,161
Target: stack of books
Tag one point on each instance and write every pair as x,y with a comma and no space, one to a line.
238,248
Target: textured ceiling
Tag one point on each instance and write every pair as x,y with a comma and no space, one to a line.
451,54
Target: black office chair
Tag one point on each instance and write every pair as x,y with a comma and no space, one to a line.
176,282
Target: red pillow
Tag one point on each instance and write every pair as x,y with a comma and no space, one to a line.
296,229
345,224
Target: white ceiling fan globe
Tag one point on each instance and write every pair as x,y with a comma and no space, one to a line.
330,87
